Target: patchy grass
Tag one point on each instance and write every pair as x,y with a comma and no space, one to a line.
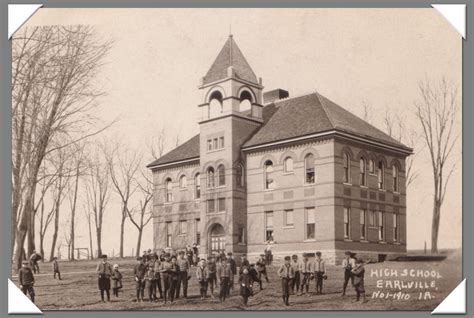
78,290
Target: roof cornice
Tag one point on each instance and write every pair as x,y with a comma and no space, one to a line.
172,163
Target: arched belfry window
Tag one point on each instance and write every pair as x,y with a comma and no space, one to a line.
395,178
268,171
362,172
346,164
381,175
210,178
310,175
288,164
168,190
197,186
245,101
239,176
215,104
221,175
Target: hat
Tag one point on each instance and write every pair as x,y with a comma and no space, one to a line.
181,252
244,255
55,257
149,250
173,257
253,264
348,253
287,258
318,253
104,256
229,254
295,256
305,254
116,266
167,255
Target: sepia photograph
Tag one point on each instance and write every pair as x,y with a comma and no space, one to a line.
187,159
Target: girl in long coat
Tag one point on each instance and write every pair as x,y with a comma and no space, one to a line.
245,286
116,280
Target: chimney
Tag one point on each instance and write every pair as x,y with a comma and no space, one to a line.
274,95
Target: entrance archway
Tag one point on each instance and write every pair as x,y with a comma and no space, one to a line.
216,238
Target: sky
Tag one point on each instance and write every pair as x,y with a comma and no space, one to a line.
352,56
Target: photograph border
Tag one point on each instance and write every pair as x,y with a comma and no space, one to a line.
5,145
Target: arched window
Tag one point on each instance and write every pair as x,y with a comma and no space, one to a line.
288,164
239,176
221,175
168,190
363,172
395,177
380,175
197,186
215,104
211,183
183,182
310,176
268,174
371,166
346,163
245,101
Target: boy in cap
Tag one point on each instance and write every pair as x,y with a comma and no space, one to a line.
202,276
244,262
233,268
297,280
174,274
211,273
183,275
104,271
225,276
156,264
165,271
262,269
253,274
286,273
306,270
348,263
56,268
149,281
319,272
358,271
139,271
26,280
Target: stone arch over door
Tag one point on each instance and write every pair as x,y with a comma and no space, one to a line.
216,238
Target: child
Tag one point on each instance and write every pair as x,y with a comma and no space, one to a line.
174,274
245,286
56,268
139,271
149,283
27,280
286,273
104,271
319,273
116,280
358,272
297,280
262,269
348,263
224,272
306,270
201,275
211,273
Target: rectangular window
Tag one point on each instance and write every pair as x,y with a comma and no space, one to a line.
221,204
371,218
198,231
241,234
214,144
211,206
288,217
209,145
395,228
381,226
310,224
347,223
269,226
395,178
363,228
168,234
183,227
221,142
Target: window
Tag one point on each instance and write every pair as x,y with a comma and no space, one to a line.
346,163
211,206
183,227
347,223
362,174
221,205
209,145
239,174
221,175
371,166
198,231
381,226
183,182
371,218
310,223
197,186
268,174
380,175
168,234
309,168
269,226
288,164
396,234
168,190
288,217
210,178
241,235
221,142
363,228
214,144
395,177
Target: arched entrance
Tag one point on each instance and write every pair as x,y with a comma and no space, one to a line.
216,238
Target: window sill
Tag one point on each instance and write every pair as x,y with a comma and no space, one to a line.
241,244
347,184
182,235
183,189
396,192
348,240
168,203
215,150
214,213
364,187
268,190
288,227
382,242
309,184
382,190
363,241
309,240
288,173
396,243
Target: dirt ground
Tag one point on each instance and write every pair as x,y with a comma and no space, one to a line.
78,289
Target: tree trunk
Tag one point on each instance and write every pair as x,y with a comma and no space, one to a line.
139,241
73,211
435,226
122,225
31,234
56,226
90,237
23,224
99,237
42,245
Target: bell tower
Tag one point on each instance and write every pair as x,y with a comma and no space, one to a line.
231,108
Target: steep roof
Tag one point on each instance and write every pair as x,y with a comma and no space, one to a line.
310,114
230,55
188,150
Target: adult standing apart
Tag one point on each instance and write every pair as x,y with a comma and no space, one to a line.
104,271
156,264
189,255
233,268
319,273
139,271
225,276
34,259
184,275
211,273
348,263
296,264
268,252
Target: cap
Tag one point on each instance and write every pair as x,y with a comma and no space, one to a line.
181,252
287,258
318,253
173,257
305,254
149,250
295,256
229,254
348,253
104,256
116,266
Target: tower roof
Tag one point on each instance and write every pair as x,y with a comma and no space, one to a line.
230,55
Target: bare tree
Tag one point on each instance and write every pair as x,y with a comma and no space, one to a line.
437,112
123,167
367,111
143,211
89,216
157,146
52,73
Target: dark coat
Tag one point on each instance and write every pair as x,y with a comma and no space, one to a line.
245,285
139,271
25,276
116,279
233,266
